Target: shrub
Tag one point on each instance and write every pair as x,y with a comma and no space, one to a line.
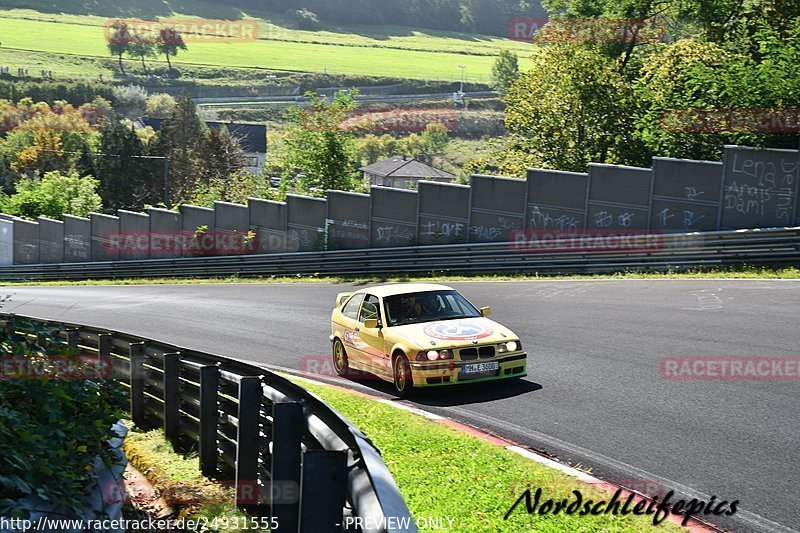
54,195
76,93
51,429
131,101
160,105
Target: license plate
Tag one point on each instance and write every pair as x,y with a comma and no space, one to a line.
481,367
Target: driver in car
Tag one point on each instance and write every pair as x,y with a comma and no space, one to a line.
432,307
410,308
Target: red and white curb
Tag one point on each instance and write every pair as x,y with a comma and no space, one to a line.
694,525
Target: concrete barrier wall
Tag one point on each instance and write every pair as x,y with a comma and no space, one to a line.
497,208
197,226
268,219
231,228
231,217
166,234
51,240
347,220
6,241
443,213
305,223
105,237
759,188
134,235
751,188
393,217
556,201
26,242
619,198
686,195
77,239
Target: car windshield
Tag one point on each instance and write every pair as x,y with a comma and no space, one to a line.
414,308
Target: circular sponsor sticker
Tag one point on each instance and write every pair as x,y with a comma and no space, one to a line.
457,331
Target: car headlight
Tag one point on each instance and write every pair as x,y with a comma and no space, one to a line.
434,355
510,346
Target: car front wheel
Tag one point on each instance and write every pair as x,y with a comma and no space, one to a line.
403,382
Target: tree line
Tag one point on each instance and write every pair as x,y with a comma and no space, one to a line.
719,73
61,159
124,40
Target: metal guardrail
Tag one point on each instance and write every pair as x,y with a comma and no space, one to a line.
290,454
719,249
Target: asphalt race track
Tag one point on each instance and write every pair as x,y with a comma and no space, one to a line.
594,395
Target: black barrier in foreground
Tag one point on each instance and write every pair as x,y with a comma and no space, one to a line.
287,453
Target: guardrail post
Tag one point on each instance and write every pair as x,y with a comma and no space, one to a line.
287,431
104,341
73,337
209,416
41,340
248,441
172,396
137,375
324,491
10,328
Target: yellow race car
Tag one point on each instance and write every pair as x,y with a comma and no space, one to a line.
421,335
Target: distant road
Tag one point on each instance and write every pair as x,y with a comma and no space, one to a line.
265,101
594,396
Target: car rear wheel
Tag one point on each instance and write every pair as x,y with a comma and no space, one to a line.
403,382
340,361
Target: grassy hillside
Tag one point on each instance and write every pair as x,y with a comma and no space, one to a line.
67,31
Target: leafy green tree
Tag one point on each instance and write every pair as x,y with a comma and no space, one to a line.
434,139
571,108
412,145
236,188
370,149
53,195
160,105
505,71
180,139
391,146
169,43
603,96
118,37
131,101
318,145
127,179
221,154
142,48
46,138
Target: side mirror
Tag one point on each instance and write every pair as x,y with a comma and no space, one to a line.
486,311
371,323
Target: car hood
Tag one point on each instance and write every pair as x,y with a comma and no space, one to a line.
457,333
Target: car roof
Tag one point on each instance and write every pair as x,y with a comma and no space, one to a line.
404,288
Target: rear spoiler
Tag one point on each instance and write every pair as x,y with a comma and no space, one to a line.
341,297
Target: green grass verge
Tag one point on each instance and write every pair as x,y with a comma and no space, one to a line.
740,273
446,474
179,481
370,50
